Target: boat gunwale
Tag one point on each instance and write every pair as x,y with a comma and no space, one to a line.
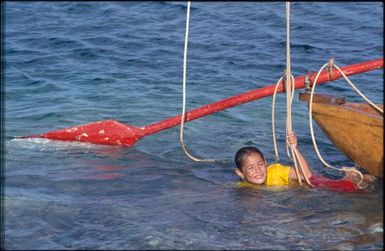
352,107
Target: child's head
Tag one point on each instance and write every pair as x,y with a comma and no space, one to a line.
251,165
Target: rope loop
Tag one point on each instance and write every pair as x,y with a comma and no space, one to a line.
280,81
184,95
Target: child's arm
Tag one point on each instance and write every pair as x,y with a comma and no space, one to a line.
292,140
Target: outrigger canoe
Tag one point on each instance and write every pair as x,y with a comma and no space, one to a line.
356,129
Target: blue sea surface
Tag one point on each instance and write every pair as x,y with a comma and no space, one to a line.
72,63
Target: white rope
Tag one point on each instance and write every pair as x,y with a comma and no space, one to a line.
184,93
289,99
288,69
291,102
357,90
276,155
344,169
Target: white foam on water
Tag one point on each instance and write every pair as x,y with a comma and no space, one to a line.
46,144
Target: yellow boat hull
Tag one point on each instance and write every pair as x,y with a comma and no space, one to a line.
356,129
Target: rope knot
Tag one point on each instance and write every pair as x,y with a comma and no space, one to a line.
308,81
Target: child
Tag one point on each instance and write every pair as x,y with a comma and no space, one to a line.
252,167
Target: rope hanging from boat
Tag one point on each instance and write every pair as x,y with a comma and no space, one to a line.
331,65
184,93
276,156
297,164
289,87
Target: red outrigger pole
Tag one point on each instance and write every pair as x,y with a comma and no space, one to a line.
111,132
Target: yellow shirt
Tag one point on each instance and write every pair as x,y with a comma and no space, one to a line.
277,175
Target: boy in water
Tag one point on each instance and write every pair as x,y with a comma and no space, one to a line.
252,168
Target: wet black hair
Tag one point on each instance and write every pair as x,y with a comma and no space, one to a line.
245,151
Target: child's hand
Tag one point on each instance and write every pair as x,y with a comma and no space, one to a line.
291,139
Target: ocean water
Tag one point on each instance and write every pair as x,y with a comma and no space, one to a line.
72,63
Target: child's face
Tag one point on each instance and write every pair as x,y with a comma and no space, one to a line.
253,169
